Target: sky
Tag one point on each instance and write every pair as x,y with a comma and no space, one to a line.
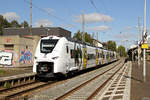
115,20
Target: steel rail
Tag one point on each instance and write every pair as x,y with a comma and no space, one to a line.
82,85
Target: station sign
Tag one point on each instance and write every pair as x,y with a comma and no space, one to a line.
145,46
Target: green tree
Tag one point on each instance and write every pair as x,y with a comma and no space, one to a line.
111,45
15,23
105,45
41,26
3,24
121,51
78,36
24,24
88,38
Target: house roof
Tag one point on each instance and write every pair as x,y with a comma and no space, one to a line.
41,31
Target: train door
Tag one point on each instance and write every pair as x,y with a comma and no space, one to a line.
76,55
105,56
97,56
84,57
67,57
79,52
102,57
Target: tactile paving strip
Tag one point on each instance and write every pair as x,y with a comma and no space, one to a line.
119,87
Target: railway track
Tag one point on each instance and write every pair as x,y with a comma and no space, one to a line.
65,90
10,93
79,88
25,91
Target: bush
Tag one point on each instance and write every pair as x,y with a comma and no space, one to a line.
8,85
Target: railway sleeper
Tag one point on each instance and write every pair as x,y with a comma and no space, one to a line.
15,82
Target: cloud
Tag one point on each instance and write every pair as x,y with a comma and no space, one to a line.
128,28
98,28
67,26
148,29
44,22
126,35
93,17
49,10
11,16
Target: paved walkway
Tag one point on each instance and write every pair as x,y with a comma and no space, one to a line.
119,87
140,90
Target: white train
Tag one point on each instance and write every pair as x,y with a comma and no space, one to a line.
59,55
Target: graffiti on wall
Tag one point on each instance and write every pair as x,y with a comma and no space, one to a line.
6,58
26,57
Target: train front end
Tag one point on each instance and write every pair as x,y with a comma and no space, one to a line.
46,57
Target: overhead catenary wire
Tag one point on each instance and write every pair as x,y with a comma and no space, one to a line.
45,11
93,4
97,10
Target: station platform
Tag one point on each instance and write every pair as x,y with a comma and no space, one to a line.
140,90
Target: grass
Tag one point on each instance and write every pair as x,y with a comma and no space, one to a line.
8,85
2,72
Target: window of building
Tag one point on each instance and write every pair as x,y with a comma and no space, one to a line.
9,46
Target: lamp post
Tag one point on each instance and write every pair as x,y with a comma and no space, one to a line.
144,41
47,30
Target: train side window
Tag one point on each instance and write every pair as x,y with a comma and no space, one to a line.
91,56
103,56
80,53
100,55
107,55
97,55
72,53
67,49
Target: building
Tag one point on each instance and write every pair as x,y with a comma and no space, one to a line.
16,51
97,43
17,45
41,31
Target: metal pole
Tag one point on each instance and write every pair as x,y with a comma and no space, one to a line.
83,35
97,36
31,17
144,38
139,29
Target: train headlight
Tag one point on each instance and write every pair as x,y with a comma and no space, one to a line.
35,57
54,58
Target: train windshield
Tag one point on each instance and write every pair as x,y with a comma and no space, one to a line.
48,45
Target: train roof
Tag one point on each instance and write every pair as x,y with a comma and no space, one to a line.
73,40
51,37
84,43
